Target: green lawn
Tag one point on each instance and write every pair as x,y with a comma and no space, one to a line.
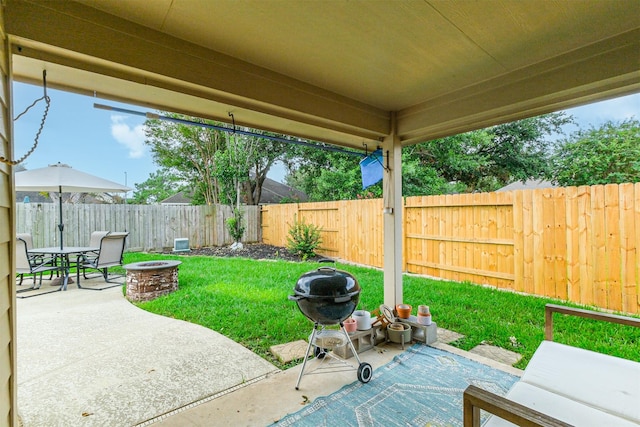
246,300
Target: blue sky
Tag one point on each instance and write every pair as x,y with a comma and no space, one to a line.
111,145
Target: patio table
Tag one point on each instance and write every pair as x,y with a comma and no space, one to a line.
63,255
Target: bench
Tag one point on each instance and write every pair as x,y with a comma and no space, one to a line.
564,385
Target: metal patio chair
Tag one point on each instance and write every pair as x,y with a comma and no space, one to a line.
94,242
28,239
109,255
31,264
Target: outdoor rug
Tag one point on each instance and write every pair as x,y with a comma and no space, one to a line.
423,386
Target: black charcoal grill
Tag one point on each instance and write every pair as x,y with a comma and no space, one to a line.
327,296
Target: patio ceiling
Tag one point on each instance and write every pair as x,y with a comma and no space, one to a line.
340,71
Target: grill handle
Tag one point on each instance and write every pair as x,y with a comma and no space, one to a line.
326,260
296,297
345,298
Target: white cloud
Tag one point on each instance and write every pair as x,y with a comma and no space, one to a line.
131,137
616,110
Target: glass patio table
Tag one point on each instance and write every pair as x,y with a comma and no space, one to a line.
63,255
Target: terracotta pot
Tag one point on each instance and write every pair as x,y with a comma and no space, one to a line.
423,309
404,310
350,325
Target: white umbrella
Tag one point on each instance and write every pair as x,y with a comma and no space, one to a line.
61,178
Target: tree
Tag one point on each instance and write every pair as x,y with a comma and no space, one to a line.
327,175
160,185
605,155
213,163
487,159
188,151
481,160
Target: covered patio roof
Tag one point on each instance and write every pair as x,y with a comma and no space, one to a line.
344,72
335,71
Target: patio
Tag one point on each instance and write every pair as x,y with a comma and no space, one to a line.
92,358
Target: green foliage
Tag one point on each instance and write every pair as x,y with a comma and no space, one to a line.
327,175
214,164
159,186
480,160
486,159
235,225
303,239
609,154
188,152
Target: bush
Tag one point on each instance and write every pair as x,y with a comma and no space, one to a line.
303,239
235,225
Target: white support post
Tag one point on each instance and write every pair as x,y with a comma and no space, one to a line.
392,214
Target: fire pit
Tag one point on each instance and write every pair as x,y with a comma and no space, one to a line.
151,279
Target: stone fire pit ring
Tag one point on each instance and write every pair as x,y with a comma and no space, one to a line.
149,280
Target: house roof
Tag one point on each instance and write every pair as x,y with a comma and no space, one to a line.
530,184
276,192
177,199
344,72
85,198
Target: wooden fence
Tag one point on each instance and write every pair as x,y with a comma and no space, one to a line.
150,227
580,244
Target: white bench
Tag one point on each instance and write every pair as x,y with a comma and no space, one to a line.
564,385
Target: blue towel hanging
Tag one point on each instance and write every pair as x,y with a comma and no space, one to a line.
371,169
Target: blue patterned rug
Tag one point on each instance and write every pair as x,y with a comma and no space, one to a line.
421,387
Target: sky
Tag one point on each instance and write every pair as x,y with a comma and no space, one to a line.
111,144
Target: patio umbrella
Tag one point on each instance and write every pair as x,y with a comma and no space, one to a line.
61,178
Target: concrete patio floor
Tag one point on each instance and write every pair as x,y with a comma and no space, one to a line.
90,358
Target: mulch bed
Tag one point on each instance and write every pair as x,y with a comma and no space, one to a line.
252,250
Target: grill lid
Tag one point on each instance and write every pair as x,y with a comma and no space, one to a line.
327,282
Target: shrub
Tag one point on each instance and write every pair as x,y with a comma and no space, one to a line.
235,225
303,239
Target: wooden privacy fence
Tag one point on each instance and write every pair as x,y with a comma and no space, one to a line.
580,244
150,227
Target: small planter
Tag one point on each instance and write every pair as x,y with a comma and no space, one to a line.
403,310
363,319
424,319
350,325
399,332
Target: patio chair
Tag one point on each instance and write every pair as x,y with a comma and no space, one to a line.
109,255
28,239
94,242
30,264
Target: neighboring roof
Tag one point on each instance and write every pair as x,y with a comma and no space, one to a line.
32,197
530,184
85,198
275,192
344,72
177,199
272,192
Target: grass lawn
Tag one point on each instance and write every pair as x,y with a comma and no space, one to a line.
246,300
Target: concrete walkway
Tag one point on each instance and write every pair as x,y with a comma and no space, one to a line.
90,358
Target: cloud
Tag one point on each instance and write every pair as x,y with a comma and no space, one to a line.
616,110
131,137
